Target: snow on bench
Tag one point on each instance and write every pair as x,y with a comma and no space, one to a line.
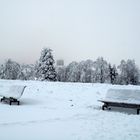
11,93
127,98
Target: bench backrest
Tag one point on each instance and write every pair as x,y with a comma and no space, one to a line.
123,95
14,91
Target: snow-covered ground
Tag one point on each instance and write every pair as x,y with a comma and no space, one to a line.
66,111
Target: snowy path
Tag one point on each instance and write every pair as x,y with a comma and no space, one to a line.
66,111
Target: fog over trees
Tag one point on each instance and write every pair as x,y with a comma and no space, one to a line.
87,71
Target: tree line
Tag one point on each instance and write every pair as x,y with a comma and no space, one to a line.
100,71
88,71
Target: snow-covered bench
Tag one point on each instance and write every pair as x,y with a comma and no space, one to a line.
12,93
127,98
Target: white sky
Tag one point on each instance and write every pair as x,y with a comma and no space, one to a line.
73,29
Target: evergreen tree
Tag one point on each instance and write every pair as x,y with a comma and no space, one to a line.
112,74
45,69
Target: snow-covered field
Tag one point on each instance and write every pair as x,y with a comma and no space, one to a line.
66,111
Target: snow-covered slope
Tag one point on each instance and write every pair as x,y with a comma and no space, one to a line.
65,111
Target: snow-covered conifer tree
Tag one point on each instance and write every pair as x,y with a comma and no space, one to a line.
45,69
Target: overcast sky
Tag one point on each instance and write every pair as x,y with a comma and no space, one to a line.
73,29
